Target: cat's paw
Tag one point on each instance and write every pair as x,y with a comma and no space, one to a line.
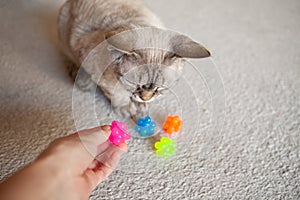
84,82
80,77
72,69
139,110
133,110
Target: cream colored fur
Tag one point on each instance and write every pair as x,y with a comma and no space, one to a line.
83,24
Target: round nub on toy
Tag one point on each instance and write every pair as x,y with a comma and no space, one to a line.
145,126
119,133
165,147
172,124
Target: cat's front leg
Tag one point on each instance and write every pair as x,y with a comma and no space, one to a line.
80,77
120,101
122,111
138,110
132,109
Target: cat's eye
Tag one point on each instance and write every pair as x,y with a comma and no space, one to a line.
127,82
170,56
135,55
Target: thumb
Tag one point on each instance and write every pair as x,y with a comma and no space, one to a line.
91,139
78,149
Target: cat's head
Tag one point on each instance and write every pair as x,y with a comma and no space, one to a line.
147,72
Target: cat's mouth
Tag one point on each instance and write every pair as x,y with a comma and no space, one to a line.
139,99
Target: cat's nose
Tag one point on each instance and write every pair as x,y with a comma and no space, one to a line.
148,86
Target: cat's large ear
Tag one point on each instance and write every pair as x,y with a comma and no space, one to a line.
185,47
119,43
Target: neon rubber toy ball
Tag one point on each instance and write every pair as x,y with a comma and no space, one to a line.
145,126
119,133
165,147
172,124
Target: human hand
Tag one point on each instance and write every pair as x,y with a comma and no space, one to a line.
70,168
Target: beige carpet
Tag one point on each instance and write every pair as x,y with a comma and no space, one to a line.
256,47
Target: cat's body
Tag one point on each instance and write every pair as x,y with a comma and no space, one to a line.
83,24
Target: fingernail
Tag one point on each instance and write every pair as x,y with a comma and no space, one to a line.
105,128
124,147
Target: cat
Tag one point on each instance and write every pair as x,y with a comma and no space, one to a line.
83,24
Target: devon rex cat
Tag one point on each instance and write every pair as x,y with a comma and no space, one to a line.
83,24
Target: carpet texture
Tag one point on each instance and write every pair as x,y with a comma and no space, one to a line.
256,48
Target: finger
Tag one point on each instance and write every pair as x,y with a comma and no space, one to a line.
106,156
78,149
106,150
103,147
98,171
93,165
108,161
